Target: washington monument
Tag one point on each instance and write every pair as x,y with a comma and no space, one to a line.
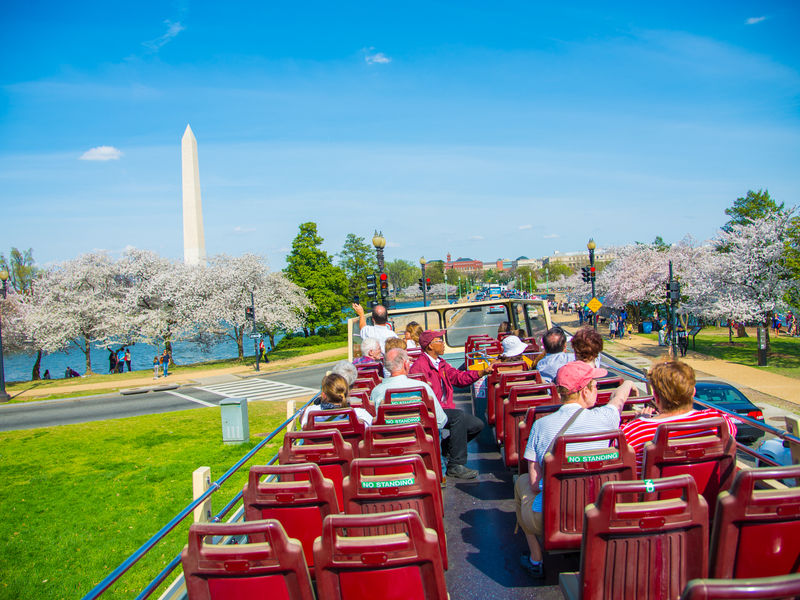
194,243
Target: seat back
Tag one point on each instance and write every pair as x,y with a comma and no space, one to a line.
635,550
785,587
366,367
371,373
364,383
520,399
632,406
414,353
270,565
472,341
388,441
756,532
402,565
504,382
325,448
573,479
417,376
402,414
533,414
703,449
608,383
299,498
342,419
409,395
385,484
360,399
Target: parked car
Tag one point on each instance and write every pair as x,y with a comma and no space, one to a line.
497,308
727,397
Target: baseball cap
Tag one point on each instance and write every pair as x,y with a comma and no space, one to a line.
426,337
576,375
513,346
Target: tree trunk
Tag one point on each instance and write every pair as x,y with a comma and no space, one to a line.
741,332
240,341
168,348
730,332
35,373
87,350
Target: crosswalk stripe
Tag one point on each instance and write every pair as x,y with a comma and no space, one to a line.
257,389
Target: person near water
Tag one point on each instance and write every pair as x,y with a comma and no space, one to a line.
128,358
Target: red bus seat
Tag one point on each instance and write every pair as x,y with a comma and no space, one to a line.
785,587
325,448
632,406
493,380
505,381
402,414
608,383
520,399
372,365
533,414
574,478
635,550
756,532
360,399
402,565
370,374
706,451
414,353
299,498
418,376
342,419
388,441
400,483
408,395
270,566
364,383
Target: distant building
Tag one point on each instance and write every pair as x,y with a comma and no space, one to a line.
524,261
463,265
576,260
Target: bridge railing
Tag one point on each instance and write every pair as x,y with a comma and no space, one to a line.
140,552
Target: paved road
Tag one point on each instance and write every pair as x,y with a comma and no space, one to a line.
271,387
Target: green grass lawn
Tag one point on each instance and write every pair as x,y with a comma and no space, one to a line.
783,357
78,499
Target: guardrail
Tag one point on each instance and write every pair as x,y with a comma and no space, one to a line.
129,562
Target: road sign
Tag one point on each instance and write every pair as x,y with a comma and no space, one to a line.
594,305
255,336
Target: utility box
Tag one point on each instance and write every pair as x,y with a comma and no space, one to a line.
235,423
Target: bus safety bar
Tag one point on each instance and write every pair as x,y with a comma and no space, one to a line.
637,374
176,520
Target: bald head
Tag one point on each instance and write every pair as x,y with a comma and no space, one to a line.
379,316
396,360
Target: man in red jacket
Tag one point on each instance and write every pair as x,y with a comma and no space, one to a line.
442,377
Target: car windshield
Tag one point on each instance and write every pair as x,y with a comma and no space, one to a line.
721,395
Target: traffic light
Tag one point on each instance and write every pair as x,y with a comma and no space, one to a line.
384,279
428,284
673,291
586,274
372,290
591,272
420,284
249,313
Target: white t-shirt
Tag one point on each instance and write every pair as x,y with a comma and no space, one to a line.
361,414
378,332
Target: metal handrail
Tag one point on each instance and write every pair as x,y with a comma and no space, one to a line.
176,520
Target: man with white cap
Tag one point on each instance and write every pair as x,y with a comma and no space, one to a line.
578,391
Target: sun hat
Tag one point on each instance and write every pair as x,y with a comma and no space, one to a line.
513,346
576,375
426,337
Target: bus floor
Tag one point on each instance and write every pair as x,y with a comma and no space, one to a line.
483,550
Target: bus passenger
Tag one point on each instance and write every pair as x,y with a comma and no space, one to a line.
504,327
333,394
412,333
379,329
370,352
673,390
513,347
556,356
578,391
442,377
398,363
587,345
347,370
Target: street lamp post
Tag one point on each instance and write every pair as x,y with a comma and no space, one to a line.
380,243
547,280
459,289
424,288
4,397
445,288
591,246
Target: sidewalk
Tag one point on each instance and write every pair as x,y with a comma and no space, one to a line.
642,351
192,377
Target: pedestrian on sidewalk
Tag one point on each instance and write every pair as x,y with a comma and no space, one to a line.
156,366
165,361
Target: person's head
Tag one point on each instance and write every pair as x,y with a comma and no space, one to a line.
504,327
347,370
587,344
520,333
334,389
397,361
554,340
413,331
379,315
673,385
513,346
576,383
432,342
371,348
394,343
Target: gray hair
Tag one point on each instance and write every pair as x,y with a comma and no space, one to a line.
347,370
395,359
368,345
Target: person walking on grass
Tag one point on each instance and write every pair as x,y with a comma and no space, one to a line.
165,361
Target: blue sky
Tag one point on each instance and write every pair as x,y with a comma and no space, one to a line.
482,129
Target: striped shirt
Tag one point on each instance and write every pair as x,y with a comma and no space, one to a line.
642,430
595,420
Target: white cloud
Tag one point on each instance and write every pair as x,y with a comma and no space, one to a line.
240,229
551,236
754,20
173,29
526,226
477,237
375,58
102,153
